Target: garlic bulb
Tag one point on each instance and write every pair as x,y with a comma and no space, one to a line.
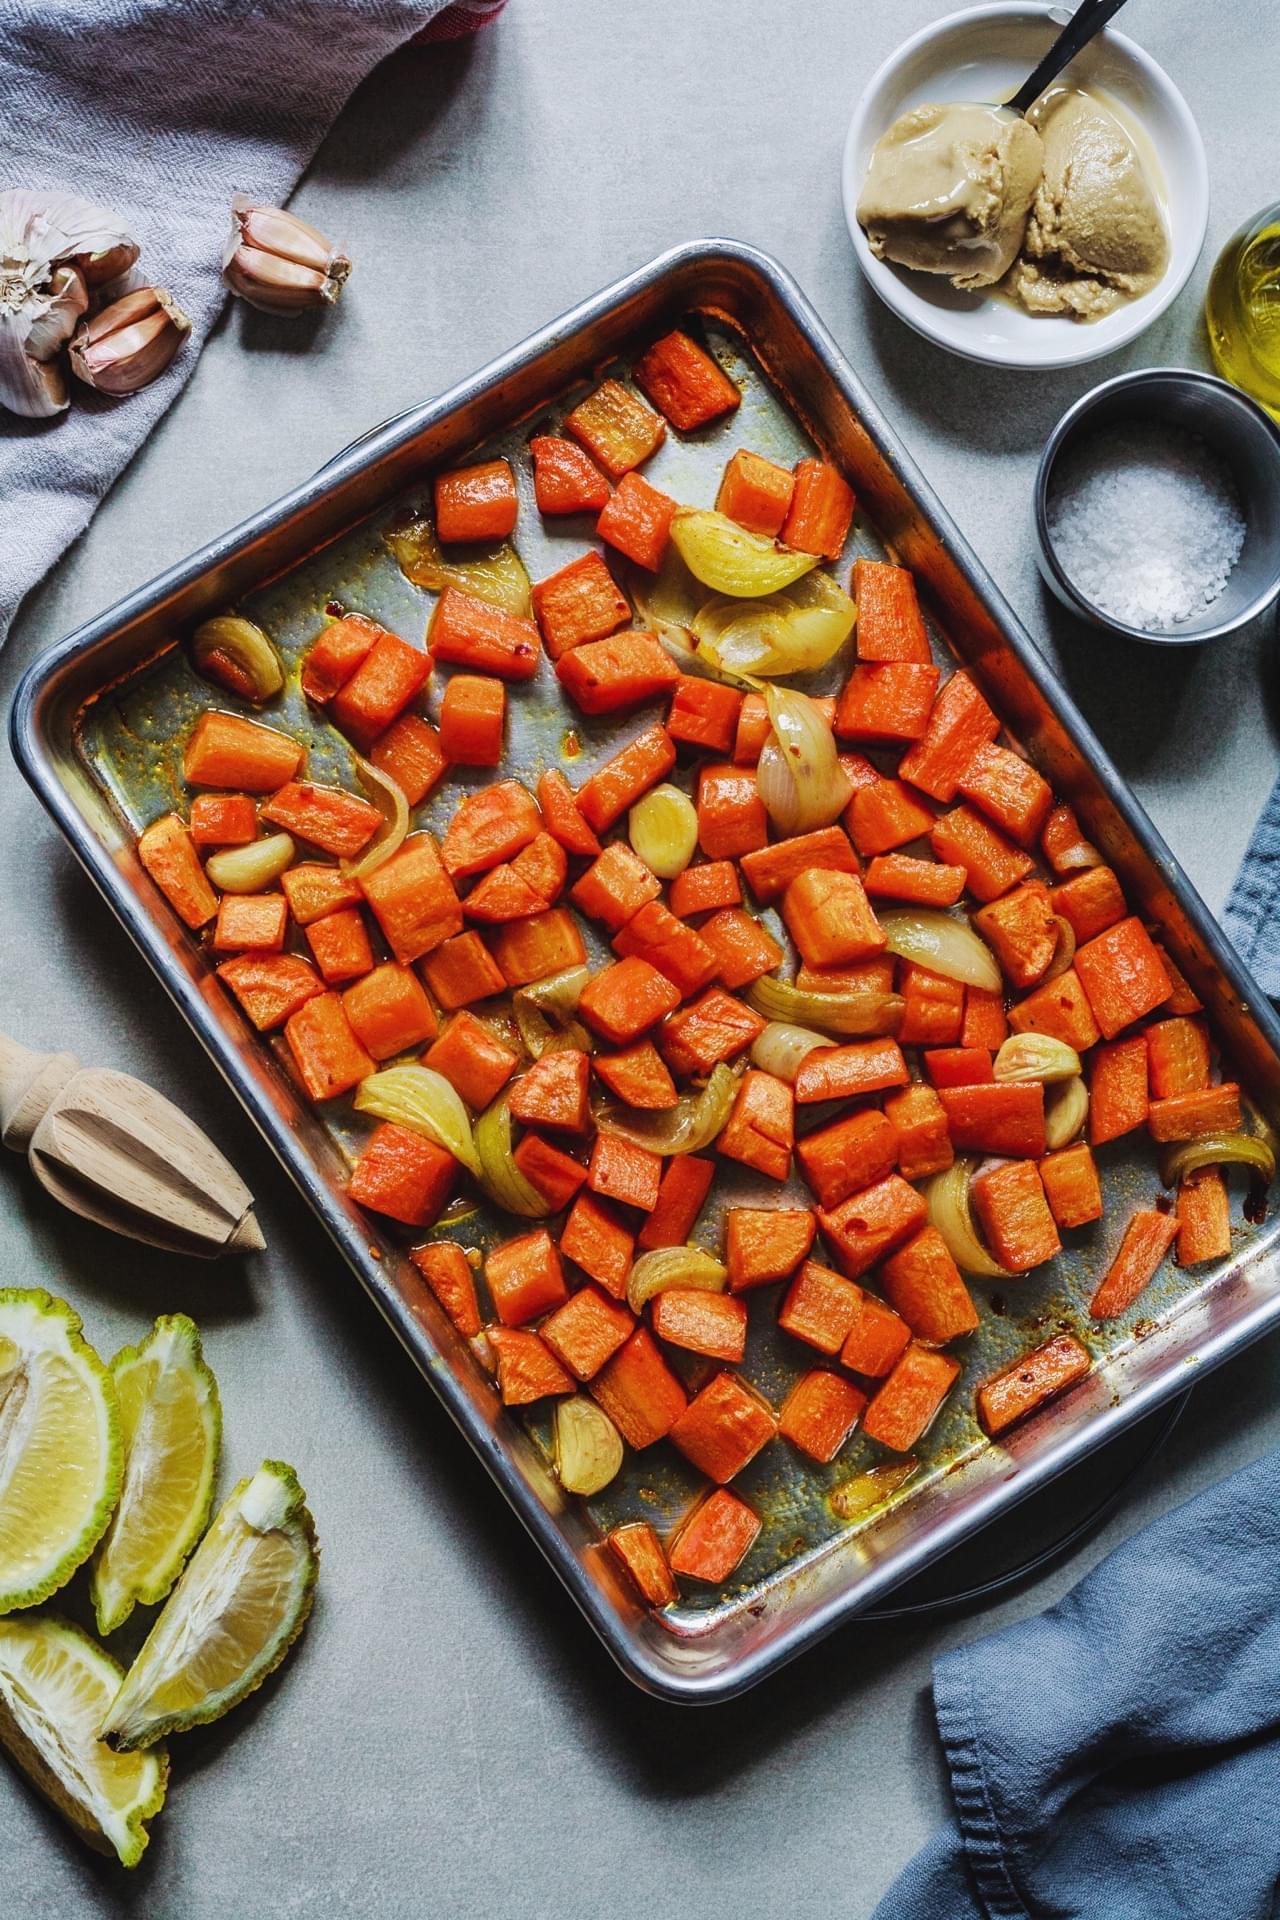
278,263
55,249
131,342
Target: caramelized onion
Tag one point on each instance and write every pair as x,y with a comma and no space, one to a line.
850,1014
947,1198
942,944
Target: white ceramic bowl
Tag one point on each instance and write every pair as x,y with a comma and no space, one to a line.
985,54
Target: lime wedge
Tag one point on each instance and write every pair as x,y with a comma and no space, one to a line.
171,1423
55,1686
234,1614
59,1446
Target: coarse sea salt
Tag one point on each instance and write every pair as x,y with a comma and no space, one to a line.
1146,521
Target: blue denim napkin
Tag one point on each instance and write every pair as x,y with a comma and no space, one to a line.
1118,1757
1250,917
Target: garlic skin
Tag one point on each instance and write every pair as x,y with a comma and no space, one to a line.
278,263
55,248
130,343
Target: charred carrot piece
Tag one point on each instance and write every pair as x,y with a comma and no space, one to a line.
1186,1116
1007,790
617,429
403,1175
760,1130
960,723
412,752
854,1152
918,1119
565,480
1064,845
391,674
527,1368
713,1324
620,781
890,624
715,1539
341,823
756,493
1178,1056
476,503
712,884
684,383
626,670
638,1076
820,1308
886,701
466,632
525,1278
684,1186
587,1331
704,714
845,1072
723,1428
820,1413
389,1012
250,923
334,655
1015,1216
1000,1119
1071,1186
225,750
766,1243
870,1224
472,1059
472,716
1060,1009
168,854
223,820
532,949
1118,1099
595,1239
445,1268
1147,1239
830,918
580,602
770,871
821,510
906,1405
637,521
562,815
340,946
639,1392
1122,975
270,986
639,1550
731,815
1021,1389
1090,902
1204,1218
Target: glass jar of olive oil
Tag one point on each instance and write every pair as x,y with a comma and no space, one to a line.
1242,310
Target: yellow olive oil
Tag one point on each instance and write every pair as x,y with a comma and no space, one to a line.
1242,310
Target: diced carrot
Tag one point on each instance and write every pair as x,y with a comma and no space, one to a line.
1020,929
270,986
1021,1388
731,815
502,894
490,826
562,816
702,889
225,750
472,1059
713,1324
627,669
1090,902
413,899
756,493
959,1066
869,1224
1006,1119
476,503
1204,1217
223,820
389,1012
466,632
676,950
639,1392
1118,1098
525,1278
820,1308
984,1023
765,1243
760,1130
820,512
402,1174
960,723
620,1170
637,521
1147,1239
1007,790
992,864
412,753
527,1368
922,1284
704,714
461,971
770,870
579,602
472,715
625,1000
1070,1181
391,674
1186,1116
885,815
1058,1008
250,923
928,883
905,1406
1064,845
853,1152
714,1028
565,480
723,1428
887,701
596,1240
639,1549
1184,998
1123,976
167,853
890,625
553,1092
617,429
845,1072
876,1340
638,766
820,1413
341,823
340,946
615,886
444,1266
685,1181
1178,1056
555,1175
335,653
1015,1216
638,1076
743,948
924,1145
587,1331
715,1539
684,383
864,976
830,918
544,944
933,1008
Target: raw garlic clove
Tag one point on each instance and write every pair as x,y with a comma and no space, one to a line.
53,247
36,389
68,298
130,343
278,262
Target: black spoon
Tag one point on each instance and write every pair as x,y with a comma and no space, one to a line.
1089,19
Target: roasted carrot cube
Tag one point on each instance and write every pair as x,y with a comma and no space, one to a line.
1186,1116
412,752
168,854
927,883
713,1324
613,787
743,948
1147,1239
1021,1388
1006,1119
820,1308
820,512
489,827
1118,1098
723,1428
886,814
639,1392
313,891
270,986
637,521
225,750
677,951
984,1023
391,674
853,1152
617,429
959,1066
463,970
756,493
760,1131
1058,1008
626,999
1090,902
992,863
1204,1217
684,383
843,1073
615,886
472,716
820,1413
472,1059
638,1076
1070,1181
555,1175
389,1012
905,1406
924,1145
923,1286
1064,845
476,503
625,670
639,1549
890,625
553,1093
1177,1056
704,714
1021,931
1015,1216
579,602
341,823
562,816
587,1331
1123,976
1184,998
620,1170
527,1368
716,1027
340,946
864,976
525,1278
830,919
933,1008
564,479
466,632
731,815
765,1243
960,723
544,944
1007,790
335,653
224,819
886,701
596,1240
403,1174
685,1181
770,870
876,1339
715,1538
444,1266
413,899
504,894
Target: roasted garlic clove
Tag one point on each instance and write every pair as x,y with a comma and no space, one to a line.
278,263
236,655
130,343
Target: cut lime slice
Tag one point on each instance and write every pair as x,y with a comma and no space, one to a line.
171,1423
60,1454
55,1686
234,1614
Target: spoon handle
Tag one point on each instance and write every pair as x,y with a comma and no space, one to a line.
1089,18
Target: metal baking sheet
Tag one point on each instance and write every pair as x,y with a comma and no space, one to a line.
97,728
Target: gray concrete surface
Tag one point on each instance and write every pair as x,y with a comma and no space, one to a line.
448,1740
